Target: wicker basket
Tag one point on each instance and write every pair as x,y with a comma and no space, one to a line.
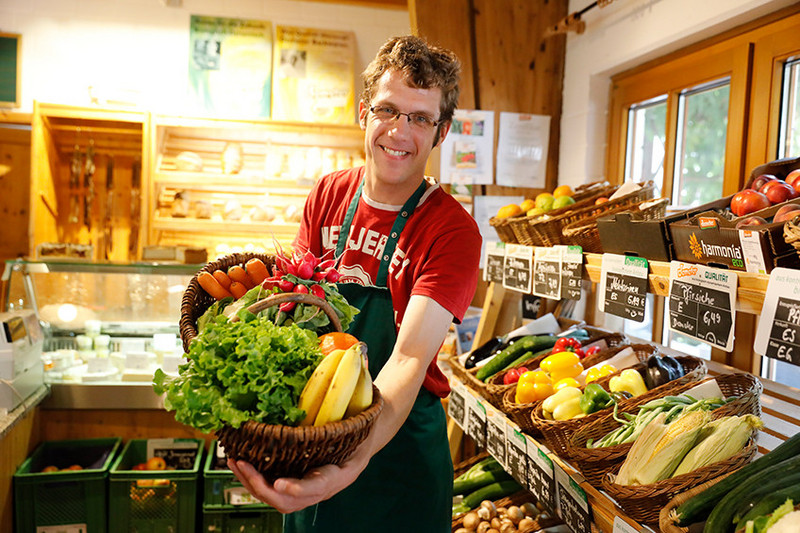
518,498
521,226
643,503
277,450
503,228
558,433
584,232
594,463
667,515
791,232
547,230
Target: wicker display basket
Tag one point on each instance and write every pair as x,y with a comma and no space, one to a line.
594,463
643,503
667,514
518,498
791,233
547,230
584,232
277,450
557,433
521,226
503,228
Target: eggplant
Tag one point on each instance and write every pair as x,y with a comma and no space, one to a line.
661,370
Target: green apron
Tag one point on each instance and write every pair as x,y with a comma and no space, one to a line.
408,485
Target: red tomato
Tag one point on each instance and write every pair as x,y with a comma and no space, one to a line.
591,351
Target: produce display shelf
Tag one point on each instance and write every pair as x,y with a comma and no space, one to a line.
780,405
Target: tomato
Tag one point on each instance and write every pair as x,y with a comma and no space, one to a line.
591,351
512,376
335,341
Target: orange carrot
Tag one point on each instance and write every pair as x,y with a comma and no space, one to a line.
257,270
238,289
237,273
212,286
223,279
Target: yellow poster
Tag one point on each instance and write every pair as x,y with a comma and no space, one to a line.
230,67
314,75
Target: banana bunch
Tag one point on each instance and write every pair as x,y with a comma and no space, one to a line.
340,387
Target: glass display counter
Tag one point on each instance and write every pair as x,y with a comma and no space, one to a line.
107,326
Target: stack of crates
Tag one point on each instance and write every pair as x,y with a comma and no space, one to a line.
155,501
73,497
228,507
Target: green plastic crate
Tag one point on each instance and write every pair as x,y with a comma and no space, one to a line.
242,521
221,488
163,501
74,498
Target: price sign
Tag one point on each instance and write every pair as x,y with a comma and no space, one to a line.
547,272
495,256
516,453
573,503
621,526
778,333
702,303
623,286
517,266
541,481
457,403
530,306
476,420
571,272
496,435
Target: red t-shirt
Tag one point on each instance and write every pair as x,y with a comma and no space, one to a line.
437,254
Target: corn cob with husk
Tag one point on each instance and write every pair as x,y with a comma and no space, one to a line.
660,448
720,439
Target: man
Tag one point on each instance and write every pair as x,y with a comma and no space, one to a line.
409,257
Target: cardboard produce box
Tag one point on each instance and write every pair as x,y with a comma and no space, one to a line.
712,239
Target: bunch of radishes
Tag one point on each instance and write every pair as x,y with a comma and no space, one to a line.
301,273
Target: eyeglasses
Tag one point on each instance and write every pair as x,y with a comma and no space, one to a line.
390,114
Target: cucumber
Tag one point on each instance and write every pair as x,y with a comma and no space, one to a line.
479,480
721,517
766,504
494,491
524,357
531,343
484,464
696,509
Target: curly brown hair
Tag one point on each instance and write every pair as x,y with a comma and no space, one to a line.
424,66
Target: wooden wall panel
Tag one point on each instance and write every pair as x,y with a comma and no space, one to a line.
15,153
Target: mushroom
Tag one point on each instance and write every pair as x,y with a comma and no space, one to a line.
508,528
495,523
526,524
515,514
484,527
487,510
471,520
463,530
529,509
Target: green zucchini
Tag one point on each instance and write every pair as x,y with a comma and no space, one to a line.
531,343
524,357
494,491
721,517
696,509
489,463
766,504
479,480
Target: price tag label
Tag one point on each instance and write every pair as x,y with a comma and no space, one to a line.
496,435
621,526
530,306
571,272
457,403
573,503
623,286
516,453
752,251
541,481
778,333
547,272
495,257
517,267
476,420
702,303
239,496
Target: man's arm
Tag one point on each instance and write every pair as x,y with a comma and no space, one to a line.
424,326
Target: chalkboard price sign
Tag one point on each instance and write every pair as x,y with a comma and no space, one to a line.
496,435
516,454
778,333
457,403
547,272
541,481
573,503
476,421
517,266
623,286
571,272
495,257
701,303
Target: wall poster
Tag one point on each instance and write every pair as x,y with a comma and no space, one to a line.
314,75
230,66
468,150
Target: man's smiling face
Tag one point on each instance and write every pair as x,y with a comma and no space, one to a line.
397,151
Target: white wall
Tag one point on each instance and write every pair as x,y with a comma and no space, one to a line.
141,47
620,36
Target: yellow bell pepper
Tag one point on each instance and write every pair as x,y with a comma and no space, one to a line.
628,380
569,409
597,372
566,372
564,395
535,376
566,382
557,362
530,391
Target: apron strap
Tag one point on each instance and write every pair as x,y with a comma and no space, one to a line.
391,242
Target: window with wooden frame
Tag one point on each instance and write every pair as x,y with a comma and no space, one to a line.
696,122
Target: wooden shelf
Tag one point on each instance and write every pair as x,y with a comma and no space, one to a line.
200,226
248,183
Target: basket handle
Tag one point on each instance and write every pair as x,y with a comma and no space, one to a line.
278,299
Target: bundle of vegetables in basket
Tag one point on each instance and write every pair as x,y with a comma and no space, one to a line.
271,371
